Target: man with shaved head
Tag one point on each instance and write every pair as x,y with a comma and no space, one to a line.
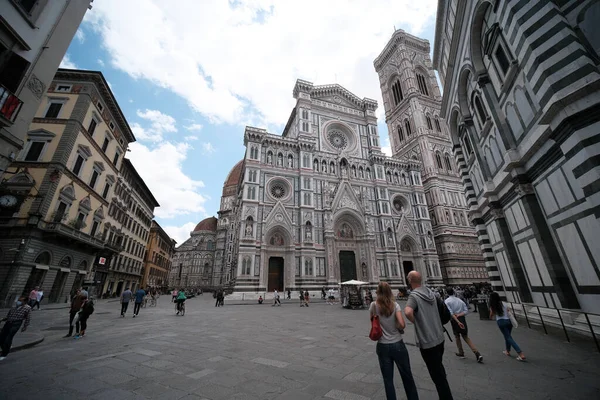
422,310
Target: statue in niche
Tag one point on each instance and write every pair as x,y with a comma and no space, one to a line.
249,228
345,232
430,239
308,233
390,237
280,160
364,271
290,161
269,158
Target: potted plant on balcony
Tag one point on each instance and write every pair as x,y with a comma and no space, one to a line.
57,217
77,224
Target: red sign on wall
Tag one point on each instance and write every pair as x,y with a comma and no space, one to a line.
102,261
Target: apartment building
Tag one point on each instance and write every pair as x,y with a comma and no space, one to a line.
56,198
34,37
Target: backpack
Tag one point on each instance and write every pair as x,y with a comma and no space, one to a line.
89,307
445,315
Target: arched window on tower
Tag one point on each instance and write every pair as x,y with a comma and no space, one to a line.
448,163
407,127
437,125
438,160
400,133
422,84
397,92
429,126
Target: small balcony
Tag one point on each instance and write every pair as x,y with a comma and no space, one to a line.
70,231
10,105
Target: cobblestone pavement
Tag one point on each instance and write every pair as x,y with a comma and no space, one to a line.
262,352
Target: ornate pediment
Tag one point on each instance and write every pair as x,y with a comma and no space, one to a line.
346,198
406,228
278,216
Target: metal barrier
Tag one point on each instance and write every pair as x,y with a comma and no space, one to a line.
562,323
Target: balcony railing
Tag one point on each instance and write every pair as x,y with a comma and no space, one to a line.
69,231
10,105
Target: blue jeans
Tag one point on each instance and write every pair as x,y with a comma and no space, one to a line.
389,354
506,329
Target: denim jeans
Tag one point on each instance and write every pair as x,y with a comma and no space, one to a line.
433,360
389,354
9,330
506,329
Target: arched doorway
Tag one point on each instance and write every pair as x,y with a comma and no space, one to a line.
406,250
279,256
350,246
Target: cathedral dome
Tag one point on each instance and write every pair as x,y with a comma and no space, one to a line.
233,179
208,224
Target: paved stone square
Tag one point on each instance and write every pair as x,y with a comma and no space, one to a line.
262,352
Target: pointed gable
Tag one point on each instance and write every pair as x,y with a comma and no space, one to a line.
346,198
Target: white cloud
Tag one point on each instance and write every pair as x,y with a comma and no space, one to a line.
161,168
100,62
190,138
257,49
180,233
80,36
159,125
208,148
67,63
194,127
386,148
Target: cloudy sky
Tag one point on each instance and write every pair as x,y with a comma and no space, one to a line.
190,77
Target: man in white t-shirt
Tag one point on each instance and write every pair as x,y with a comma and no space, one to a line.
276,300
330,297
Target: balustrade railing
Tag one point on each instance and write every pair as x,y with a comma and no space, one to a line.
576,320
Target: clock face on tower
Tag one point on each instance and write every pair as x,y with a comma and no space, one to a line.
8,201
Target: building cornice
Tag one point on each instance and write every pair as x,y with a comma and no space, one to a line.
98,79
440,21
400,37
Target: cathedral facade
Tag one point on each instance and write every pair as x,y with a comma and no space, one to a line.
321,204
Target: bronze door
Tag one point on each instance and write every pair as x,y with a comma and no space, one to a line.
347,266
275,274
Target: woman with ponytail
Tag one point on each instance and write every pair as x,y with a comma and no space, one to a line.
390,347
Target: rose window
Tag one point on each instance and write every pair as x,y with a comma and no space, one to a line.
278,190
338,139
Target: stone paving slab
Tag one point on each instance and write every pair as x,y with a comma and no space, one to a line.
286,352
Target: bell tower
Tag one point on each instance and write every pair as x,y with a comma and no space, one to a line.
412,102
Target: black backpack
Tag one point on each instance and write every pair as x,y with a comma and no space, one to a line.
89,307
445,315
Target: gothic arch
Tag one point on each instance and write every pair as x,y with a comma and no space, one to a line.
277,232
476,35
413,245
352,218
43,257
463,100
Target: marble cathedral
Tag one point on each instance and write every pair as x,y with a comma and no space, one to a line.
320,203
